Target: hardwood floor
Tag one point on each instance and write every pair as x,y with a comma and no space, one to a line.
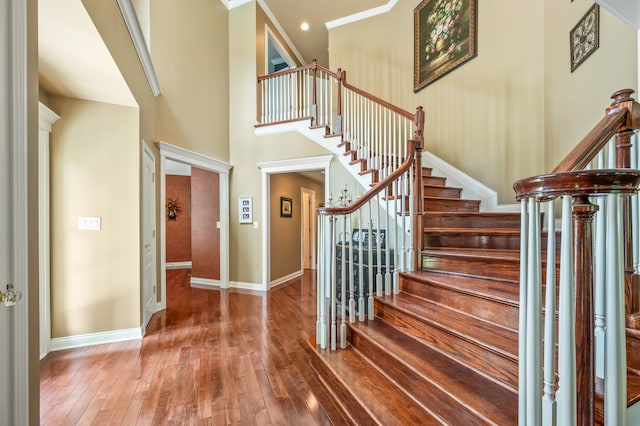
228,357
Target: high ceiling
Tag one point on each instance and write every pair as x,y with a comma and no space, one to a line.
313,43
74,61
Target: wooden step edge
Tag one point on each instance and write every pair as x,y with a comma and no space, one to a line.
421,374
508,214
333,135
471,231
335,399
344,388
478,253
464,200
435,282
273,123
357,161
454,332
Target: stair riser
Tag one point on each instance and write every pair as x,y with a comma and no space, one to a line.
479,220
436,399
486,241
443,205
341,393
492,268
494,311
492,365
438,191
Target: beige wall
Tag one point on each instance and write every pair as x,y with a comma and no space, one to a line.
246,149
493,116
95,275
190,52
574,102
286,233
261,37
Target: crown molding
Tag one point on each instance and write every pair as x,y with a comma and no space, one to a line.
135,31
230,4
361,15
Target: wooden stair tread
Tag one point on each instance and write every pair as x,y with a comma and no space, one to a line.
501,340
449,382
509,255
373,391
506,291
432,198
472,219
472,231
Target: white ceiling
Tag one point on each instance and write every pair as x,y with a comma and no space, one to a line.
73,59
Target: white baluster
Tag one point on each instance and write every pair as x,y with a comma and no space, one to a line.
379,283
387,274
566,395
332,249
412,249
352,300
548,400
534,296
396,240
360,270
635,210
615,400
522,323
320,282
370,255
612,154
343,286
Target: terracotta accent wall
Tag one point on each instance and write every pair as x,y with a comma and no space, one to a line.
205,213
179,230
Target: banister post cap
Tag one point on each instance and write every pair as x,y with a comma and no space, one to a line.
623,95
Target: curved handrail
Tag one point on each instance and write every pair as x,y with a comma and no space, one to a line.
412,146
578,183
285,72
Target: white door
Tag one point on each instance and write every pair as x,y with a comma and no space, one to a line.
149,226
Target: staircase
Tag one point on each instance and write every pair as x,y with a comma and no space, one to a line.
443,350
456,330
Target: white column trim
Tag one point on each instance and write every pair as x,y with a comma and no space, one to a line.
137,37
172,152
46,118
321,162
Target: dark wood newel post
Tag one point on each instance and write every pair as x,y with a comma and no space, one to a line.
418,199
583,212
623,99
314,104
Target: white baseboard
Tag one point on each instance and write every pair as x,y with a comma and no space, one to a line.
471,188
205,283
247,286
178,265
286,278
82,340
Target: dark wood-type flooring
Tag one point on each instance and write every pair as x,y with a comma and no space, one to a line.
213,357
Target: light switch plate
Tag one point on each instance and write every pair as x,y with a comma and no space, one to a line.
89,223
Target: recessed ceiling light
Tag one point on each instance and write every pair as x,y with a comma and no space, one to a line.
304,26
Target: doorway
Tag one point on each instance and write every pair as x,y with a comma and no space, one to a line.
309,225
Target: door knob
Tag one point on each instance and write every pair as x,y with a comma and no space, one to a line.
11,296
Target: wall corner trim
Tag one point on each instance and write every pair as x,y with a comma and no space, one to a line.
135,31
82,340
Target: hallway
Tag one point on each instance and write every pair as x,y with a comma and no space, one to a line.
213,357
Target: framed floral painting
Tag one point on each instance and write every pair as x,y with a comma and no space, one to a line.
444,38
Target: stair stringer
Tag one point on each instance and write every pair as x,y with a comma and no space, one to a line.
317,135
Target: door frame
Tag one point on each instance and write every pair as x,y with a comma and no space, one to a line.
313,225
148,153
293,165
19,133
172,152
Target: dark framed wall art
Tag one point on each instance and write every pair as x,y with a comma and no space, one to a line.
286,207
445,35
584,38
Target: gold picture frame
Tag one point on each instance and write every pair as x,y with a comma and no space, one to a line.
445,37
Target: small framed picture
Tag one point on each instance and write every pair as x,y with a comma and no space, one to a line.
286,207
245,209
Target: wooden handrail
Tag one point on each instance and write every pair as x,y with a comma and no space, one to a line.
578,184
622,115
310,66
369,96
377,188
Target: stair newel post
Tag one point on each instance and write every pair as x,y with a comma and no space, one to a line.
582,219
314,94
333,281
418,198
341,75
